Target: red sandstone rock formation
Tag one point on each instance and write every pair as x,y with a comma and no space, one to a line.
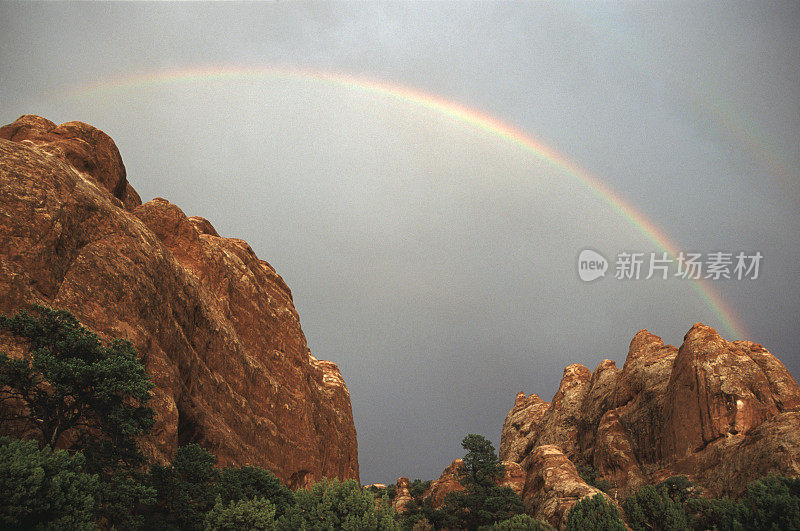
448,482
553,485
402,495
514,478
521,427
723,413
215,326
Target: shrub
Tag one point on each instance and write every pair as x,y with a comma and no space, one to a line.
241,515
186,488
248,482
522,522
334,504
773,502
419,487
44,488
594,514
651,507
722,514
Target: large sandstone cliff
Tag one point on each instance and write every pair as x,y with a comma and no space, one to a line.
723,413
215,326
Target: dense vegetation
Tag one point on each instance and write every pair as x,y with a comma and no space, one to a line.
594,513
772,503
73,392
482,504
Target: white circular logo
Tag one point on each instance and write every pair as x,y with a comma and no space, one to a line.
591,265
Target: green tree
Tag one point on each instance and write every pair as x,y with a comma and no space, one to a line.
248,482
334,504
723,514
481,465
78,393
522,522
125,497
419,513
483,501
773,503
418,488
594,514
242,515
186,489
70,382
42,488
652,507
679,488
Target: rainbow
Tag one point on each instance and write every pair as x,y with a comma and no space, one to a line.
473,117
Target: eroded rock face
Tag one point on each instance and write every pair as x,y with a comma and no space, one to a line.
723,413
86,149
717,389
521,427
561,421
448,482
514,477
614,458
215,325
533,422
552,485
402,495
640,393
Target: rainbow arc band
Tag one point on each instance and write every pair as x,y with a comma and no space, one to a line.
482,121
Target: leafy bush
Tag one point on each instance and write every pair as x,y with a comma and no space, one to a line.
679,488
242,515
419,487
125,497
773,502
248,482
652,507
44,488
522,522
722,514
334,504
186,488
594,514
420,514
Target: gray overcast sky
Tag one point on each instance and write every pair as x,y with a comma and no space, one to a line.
433,260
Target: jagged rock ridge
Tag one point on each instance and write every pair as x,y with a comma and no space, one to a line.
723,413
216,326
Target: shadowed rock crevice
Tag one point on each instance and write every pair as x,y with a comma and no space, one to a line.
189,428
